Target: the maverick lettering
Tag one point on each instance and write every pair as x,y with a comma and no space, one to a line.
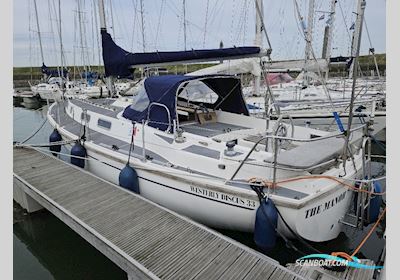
325,206
334,201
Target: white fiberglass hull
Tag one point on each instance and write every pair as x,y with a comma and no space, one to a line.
316,221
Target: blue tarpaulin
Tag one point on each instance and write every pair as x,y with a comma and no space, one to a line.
163,90
90,77
118,62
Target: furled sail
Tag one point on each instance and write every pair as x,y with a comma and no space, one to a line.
53,72
118,62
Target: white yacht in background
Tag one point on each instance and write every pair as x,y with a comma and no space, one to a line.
51,89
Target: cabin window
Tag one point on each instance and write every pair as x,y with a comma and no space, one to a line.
83,117
104,123
140,100
198,91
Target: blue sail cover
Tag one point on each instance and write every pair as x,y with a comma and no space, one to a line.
117,61
162,89
53,72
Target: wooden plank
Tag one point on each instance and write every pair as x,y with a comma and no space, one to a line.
100,208
197,261
90,198
113,213
261,271
47,182
216,268
178,257
151,233
69,189
134,229
241,267
122,224
176,251
33,167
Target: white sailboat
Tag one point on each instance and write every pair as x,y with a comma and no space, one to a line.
210,160
187,160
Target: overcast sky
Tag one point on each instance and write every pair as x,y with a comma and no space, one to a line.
208,23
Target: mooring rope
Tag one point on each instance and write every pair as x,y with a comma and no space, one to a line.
270,184
350,257
34,133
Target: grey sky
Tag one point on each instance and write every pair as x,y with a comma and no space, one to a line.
231,21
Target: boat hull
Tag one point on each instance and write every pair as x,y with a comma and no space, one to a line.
318,220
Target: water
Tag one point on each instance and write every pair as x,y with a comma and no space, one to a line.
45,248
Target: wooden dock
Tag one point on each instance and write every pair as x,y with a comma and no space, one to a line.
142,238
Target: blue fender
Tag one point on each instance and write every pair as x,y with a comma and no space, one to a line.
265,226
55,136
128,179
79,151
375,203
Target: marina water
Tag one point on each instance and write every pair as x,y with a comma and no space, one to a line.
45,248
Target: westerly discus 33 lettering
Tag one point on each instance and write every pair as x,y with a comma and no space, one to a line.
224,197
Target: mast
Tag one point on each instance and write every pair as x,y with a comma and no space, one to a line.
327,48
356,52
102,16
357,34
30,40
38,30
82,46
142,18
97,35
310,23
51,11
61,45
184,23
259,27
112,19
258,38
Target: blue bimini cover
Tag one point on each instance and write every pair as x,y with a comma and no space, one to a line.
118,62
163,90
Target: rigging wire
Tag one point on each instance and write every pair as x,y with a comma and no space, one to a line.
205,24
320,76
159,22
134,22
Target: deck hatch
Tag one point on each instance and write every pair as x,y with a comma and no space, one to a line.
203,151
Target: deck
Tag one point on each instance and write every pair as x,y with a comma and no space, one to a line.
142,238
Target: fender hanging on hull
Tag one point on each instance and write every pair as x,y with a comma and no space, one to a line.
265,225
375,203
128,179
79,151
55,137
